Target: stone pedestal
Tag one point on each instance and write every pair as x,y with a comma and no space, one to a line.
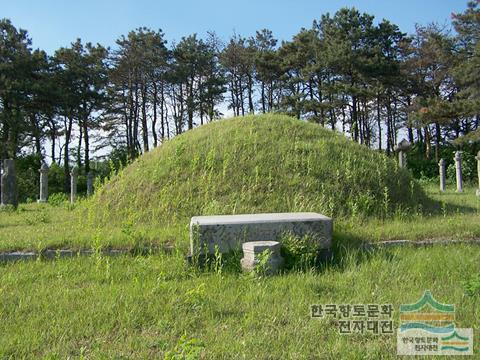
441,166
73,184
253,252
458,168
9,184
478,170
43,184
89,184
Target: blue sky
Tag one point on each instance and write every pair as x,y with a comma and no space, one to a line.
56,23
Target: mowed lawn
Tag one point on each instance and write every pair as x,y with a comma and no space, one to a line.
158,306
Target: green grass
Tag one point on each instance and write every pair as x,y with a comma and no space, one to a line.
40,226
158,306
267,163
147,307
456,218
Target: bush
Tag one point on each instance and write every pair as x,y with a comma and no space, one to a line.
28,177
27,167
299,253
58,199
423,168
469,169
56,179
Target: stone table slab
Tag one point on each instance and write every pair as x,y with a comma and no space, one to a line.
229,232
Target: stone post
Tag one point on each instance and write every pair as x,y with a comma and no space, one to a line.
401,159
9,184
402,148
478,170
89,184
458,167
441,166
43,183
73,184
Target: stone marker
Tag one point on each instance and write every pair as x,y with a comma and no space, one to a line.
43,183
73,184
9,184
458,167
229,232
478,171
402,148
89,184
441,166
252,252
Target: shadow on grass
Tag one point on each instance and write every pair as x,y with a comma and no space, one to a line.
439,207
347,250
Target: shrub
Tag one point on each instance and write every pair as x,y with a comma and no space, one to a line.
58,199
299,253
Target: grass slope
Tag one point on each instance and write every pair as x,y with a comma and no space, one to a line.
266,163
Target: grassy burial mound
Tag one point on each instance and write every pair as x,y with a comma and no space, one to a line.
265,163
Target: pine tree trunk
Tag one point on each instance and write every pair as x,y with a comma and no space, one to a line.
53,137
379,124
438,140
162,113
144,119
154,120
263,97
354,121
79,149
68,121
87,147
250,95
427,142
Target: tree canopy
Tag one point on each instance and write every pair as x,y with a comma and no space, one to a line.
348,72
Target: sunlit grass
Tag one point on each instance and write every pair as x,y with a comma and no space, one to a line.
159,306
145,307
40,226
252,164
